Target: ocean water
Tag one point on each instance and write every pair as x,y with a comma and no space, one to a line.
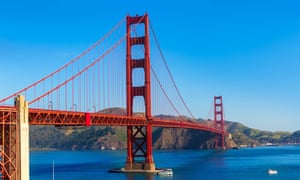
250,163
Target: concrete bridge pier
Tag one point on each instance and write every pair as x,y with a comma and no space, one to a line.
22,139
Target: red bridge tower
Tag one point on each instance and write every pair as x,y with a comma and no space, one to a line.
139,138
219,122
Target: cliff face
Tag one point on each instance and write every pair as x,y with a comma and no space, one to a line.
246,136
171,138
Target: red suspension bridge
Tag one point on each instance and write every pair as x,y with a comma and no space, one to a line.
115,72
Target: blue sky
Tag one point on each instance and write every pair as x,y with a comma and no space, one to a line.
246,51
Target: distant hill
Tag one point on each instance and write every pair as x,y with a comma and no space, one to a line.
243,135
96,138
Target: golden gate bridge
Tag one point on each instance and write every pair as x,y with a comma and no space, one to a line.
113,72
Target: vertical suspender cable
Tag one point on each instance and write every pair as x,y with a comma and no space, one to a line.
98,82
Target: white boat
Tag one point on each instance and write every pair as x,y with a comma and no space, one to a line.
166,172
272,171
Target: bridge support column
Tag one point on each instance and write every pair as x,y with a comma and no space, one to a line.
15,141
219,122
129,159
149,157
139,138
22,139
139,150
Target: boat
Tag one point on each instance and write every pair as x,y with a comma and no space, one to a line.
166,172
272,171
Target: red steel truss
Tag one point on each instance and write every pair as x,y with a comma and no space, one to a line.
71,118
8,148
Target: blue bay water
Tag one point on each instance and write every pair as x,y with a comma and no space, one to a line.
251,163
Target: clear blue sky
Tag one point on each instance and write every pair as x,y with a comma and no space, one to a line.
246,51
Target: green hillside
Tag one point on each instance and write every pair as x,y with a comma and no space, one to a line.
243,135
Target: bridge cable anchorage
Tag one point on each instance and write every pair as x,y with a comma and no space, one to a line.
169,72
67,64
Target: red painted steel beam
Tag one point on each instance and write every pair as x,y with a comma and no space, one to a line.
184,124
136,19
56,117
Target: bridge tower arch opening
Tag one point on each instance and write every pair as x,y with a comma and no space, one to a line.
139,138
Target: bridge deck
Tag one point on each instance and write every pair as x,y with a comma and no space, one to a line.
58,117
